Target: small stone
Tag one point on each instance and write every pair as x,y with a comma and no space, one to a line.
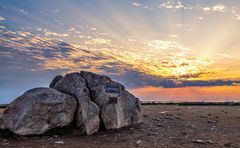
184,133
163,112
211,121
210,141
203,116
213,128
49,139
138,142
199,141
5,141
159,124
203,142
59,142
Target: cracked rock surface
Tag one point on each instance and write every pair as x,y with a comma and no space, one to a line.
38,110
87,113
118,107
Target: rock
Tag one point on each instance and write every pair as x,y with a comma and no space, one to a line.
199,141
118,107
55,80
38,110
55,136
5,140
87,115
59,142
211,121
203,141
138,142
163,112
210,141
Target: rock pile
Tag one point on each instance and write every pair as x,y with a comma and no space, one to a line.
85,98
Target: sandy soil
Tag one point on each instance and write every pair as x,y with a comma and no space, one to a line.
164,126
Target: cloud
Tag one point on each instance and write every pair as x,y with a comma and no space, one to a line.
184,27
95,41
236,13
48,33
71,29
171,5
206,9
53,55
140,5
23,33
216,8
180,5
135,79
21,11
2,18
131,40
136,4
219,7
93,28
229,56
166,45
237,17
173,36
175,67
175,5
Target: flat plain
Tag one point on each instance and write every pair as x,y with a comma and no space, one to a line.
163,126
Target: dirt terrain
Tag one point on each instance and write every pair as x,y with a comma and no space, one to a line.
164,126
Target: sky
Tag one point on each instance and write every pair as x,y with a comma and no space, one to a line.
156,48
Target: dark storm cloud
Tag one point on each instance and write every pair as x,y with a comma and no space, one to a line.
135,79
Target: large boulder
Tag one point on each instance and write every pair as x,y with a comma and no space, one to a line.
118,107
55,80
38,110
87,115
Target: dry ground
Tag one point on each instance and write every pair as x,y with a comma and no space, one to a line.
164,126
